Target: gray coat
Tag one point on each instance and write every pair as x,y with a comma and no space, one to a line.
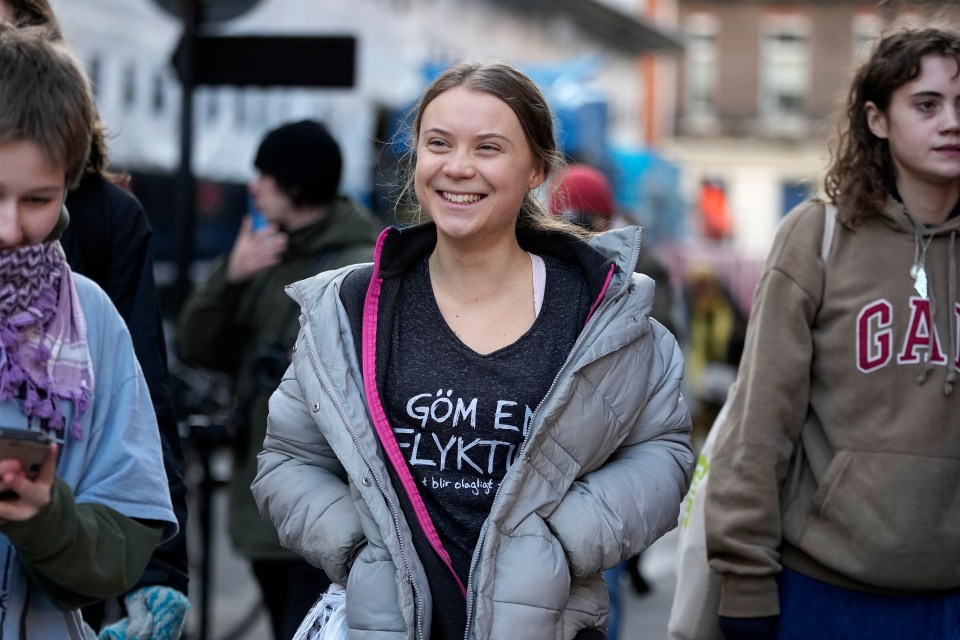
601,475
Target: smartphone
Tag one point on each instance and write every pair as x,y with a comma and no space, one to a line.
259,221
29,447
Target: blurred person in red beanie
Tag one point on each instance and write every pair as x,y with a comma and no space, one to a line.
585,197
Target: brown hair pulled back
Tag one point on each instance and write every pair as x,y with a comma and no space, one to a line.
46,98
527,102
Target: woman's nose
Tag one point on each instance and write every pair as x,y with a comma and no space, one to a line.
459,164
951,120
10,232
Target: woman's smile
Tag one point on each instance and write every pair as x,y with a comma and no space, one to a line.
460,198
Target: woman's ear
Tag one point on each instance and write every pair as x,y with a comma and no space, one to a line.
876,120
536,179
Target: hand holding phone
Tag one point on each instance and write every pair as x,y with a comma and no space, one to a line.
29,447
26,477
258,246
257,219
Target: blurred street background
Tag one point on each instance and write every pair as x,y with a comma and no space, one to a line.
710,117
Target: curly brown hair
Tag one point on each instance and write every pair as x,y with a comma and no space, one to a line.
861,172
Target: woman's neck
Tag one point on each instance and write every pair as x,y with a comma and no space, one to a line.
929,204
477,273
485,297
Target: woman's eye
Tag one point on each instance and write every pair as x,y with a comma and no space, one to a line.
38,201
438,144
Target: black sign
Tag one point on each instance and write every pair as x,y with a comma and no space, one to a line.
210,10
277,61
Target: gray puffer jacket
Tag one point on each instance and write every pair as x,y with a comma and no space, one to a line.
599,478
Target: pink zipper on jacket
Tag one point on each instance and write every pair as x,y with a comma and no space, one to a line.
378,414
603,292
381,424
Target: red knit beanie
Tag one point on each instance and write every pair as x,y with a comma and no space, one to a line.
584,190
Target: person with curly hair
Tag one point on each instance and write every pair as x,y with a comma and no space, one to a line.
832,506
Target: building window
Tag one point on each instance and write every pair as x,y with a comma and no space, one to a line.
240,109
211,104
701,66
94,71
159,93
129,86
793,193
866,30
785,63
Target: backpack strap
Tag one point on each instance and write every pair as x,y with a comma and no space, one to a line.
829,227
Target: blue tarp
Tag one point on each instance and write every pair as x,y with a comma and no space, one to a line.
646,186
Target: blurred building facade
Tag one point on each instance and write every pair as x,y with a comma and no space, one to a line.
759,84
600,62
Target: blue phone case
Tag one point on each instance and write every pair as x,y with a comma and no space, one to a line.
259,221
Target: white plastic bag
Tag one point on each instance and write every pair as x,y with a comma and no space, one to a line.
327,618
696,600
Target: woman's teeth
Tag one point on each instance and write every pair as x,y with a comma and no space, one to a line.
460,198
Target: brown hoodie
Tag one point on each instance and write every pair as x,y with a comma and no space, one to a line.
840,357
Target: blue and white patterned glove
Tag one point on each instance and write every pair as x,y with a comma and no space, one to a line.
153,613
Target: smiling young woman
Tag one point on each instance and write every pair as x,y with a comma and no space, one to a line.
492,387
474,168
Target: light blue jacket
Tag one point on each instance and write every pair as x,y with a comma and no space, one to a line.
600,476
117,462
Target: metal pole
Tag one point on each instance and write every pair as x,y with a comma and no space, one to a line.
207,485
184,214
184,219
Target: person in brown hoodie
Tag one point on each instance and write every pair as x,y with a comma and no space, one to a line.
833,509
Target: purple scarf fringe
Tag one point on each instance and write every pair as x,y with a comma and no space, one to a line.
32,294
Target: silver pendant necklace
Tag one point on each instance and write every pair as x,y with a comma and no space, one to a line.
918,271
919,275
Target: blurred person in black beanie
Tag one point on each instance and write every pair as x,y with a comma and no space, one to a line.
240,320
304,160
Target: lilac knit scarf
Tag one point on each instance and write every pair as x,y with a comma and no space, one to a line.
44,357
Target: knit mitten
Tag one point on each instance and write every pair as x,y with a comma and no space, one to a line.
153,613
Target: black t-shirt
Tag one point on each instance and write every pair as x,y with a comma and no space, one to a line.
460,417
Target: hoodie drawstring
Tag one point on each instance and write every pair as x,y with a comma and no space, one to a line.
952,314
924,287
